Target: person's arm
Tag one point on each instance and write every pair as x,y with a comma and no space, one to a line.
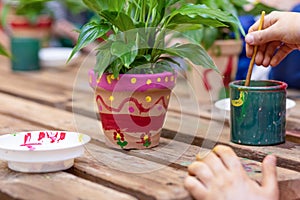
220,175
62,27
279,36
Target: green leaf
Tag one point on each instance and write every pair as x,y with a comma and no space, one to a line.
163,66
89,33
193,52
178,22
3,51
201,14
126,52
171,2
95,5
209,37
119,19
186,27
157,9
103,61
171,60
4,13
239,3
258,8
104,58
110,5
196,36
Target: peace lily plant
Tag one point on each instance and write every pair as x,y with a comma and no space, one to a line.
138,29
134,73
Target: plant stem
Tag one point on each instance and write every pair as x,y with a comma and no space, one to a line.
157,42
136,10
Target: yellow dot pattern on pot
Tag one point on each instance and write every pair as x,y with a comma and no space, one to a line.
148,99
111,98
133,80
149,82
110,78
158,80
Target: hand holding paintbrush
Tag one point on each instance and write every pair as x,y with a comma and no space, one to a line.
279,37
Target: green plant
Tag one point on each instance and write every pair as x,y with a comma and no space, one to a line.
208,35
3,51
138,29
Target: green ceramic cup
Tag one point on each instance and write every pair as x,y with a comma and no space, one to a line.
25,54
258,112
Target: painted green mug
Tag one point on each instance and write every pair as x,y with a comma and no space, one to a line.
258,112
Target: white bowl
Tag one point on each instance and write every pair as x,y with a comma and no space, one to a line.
55,56
224,104
42,151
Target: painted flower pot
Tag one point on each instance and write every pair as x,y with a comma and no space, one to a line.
41,29
132,107
258,112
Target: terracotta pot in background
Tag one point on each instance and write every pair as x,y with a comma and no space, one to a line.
210,86
41,29
132,108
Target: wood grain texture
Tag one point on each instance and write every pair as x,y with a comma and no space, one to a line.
49,186
67,103
163,167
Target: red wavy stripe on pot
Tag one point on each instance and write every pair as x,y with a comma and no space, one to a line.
135,101
131,123
133,82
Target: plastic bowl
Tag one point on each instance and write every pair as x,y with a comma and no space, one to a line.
55,56
224,104
42,151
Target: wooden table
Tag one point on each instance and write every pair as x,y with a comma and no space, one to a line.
60,99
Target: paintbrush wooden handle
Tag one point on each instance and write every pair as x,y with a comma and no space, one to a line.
250,68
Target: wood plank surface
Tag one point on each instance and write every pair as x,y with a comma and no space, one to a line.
61,99
49,186
116,169
288,153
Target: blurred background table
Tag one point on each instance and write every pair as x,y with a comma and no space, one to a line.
61,99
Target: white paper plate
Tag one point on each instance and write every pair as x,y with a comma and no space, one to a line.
42,151
55,56
224,104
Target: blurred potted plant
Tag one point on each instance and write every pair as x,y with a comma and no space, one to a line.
34,18
134,74
24,19
224,46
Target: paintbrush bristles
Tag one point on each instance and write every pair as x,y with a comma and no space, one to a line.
248,78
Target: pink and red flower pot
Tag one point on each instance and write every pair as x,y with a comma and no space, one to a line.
132,107
23,28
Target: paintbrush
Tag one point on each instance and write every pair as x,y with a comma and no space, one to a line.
247,83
